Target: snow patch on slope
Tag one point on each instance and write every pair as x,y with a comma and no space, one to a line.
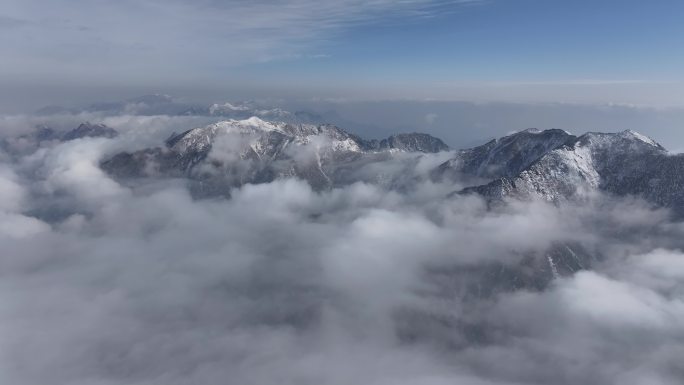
641,137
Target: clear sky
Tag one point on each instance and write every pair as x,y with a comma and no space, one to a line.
621,51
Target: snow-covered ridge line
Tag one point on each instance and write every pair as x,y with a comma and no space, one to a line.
642,137
623,163
252,123
233,152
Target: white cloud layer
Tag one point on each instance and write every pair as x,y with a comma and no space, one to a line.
107,284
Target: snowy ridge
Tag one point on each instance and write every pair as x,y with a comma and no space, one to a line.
623,163
550,165
200,139
234,152
641,137
503,157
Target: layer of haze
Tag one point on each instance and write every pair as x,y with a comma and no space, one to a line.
459,124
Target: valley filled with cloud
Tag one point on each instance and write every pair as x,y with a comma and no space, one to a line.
386,277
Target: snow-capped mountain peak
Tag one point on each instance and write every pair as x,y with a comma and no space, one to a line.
641,137
622,163
627,140
233,152
506,156
251,124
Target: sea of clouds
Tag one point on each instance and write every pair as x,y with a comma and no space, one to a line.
105,283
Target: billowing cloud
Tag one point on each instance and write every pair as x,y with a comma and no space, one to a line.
112,283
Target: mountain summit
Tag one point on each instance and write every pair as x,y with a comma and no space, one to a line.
551,165
624,163
235,152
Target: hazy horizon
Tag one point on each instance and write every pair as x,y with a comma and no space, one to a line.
461,124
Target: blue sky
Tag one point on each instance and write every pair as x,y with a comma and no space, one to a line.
518,40
521,50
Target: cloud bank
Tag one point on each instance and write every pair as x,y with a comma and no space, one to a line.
106,283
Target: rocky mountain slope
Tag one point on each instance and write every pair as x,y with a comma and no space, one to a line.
552,165
623,164
505,157
234,152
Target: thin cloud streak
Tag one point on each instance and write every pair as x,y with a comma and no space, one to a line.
572,82
143,39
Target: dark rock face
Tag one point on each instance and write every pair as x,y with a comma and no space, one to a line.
413,142
89,130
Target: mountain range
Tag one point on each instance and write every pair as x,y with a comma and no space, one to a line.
235,152
556,166
551,165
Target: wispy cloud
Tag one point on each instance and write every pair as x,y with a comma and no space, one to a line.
569,82
10,22
154,37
